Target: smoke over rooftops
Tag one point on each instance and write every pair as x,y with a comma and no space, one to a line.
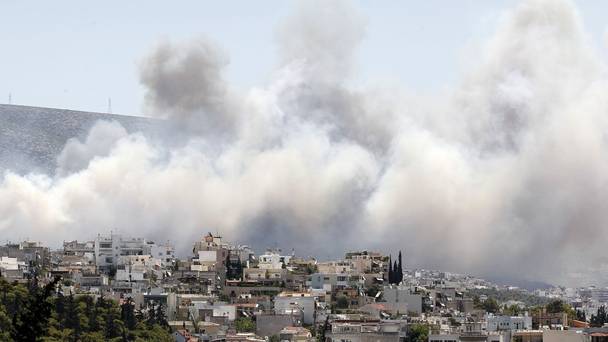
505,174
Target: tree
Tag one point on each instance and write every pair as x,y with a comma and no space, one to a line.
322,330
555,306
32,313
72,319
161,318
342,303
512,310
418,333
400,270
491,305
390,270
581,316
600,318
151,317
31,321
127,314
395,275
244,324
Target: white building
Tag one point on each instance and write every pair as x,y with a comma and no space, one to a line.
342,266
273,260
401,300
206,261
329,281
165,253
11,264
110,249
499,323
293,302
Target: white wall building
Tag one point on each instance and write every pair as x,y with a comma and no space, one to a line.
499,323
11,264
110,249
402,300
273,260
294,302
328,281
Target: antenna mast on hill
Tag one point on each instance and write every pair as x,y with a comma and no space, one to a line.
109,105
10,98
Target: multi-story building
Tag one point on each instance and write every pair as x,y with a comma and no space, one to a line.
109,250
366,331
289,302
12,268
402,300
499,323
273,260
30,252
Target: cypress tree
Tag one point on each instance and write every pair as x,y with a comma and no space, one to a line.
127,314
161,318
31,322
400,270
395,272
390,270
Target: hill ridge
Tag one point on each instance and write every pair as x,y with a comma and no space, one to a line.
32,137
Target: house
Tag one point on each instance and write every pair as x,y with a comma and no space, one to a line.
293,334
502,322
402,300
552,320
184,336
289,302
273,260
110,250
366,330
12,268
329,281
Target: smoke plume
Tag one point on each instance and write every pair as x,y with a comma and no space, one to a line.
505,174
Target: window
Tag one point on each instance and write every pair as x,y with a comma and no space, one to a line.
105,245
109,260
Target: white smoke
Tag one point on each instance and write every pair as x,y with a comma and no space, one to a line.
504,175
77,155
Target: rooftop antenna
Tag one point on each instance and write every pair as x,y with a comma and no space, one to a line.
109,105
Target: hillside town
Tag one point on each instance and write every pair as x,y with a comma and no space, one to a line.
226,292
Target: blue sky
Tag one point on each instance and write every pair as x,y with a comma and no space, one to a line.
75,54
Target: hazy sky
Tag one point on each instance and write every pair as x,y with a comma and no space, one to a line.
74,54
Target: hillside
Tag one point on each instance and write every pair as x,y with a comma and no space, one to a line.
32,137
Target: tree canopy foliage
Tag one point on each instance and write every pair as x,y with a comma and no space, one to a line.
244,324
33,313
505,295
418,333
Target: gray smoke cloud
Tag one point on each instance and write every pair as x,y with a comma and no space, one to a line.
504,174
184,82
